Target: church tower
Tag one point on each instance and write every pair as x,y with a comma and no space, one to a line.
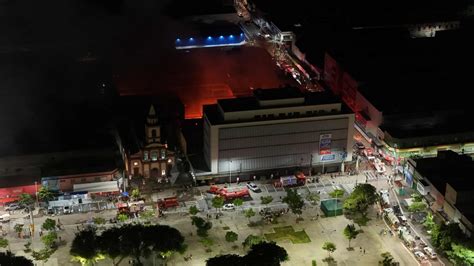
152,128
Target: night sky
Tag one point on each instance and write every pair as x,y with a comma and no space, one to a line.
55,54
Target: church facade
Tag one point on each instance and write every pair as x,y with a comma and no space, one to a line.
153,160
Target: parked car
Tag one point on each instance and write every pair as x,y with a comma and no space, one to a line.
429,251
360,145
67,210
253,187
13,206
420,256
4,218
228,207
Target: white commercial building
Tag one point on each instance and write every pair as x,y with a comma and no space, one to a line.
277,129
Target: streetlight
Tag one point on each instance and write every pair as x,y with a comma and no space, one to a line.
230,172
36,193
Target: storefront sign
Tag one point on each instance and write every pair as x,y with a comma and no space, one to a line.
325,144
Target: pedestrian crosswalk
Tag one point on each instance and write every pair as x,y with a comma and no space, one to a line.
370,175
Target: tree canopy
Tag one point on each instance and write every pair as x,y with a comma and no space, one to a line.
231,236
266,199
262,254
228,260
266,253
26,199
45,194
49,224
350,232
294,201
137,241
202,225
8,258
387,259
85,248
217,202
329,247
356,205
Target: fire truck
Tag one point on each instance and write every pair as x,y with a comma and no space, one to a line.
166,203
229,193
297,179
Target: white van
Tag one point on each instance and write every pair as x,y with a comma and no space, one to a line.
429,251
4,218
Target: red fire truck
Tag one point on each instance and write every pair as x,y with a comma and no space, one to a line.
168,203
297,179
229,193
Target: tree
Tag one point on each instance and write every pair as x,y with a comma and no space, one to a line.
231,236
193,210
249,213
84,247
147,214
251,240
417,206
122,217
238,202
99,220
8,258
461,255
111,246
337,193
429,223
387,259
228,260
49,239
49,224
137,241
356,205
3,242
444,235
294,201
43,254
313,198
266,199
202,225
135,193
266,253
19,229
45,194
350,232
26,199
217,202
329,247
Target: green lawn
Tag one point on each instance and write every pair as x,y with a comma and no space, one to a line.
288,233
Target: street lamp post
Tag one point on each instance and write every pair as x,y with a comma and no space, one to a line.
36,194
230,172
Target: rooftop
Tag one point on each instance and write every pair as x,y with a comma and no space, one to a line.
447,167
252,103
409,70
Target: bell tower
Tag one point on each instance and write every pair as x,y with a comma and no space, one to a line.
152,128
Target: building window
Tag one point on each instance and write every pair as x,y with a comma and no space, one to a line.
62,180
154,155
145,156
308,112
281,114
153,133
97,179
258,117
163,172
163,154
83,180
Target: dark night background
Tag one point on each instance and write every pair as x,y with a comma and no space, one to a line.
55,55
